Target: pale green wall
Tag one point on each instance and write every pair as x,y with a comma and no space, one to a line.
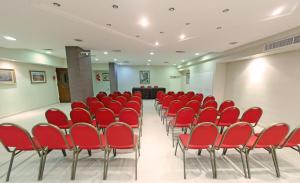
100,85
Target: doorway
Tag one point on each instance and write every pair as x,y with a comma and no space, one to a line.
63,85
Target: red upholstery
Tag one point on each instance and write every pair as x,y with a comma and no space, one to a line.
51,137
106,101
198,97
104,117
58,118
235,136
100,96
252,115
117,93
127,95
90,99
102,92
130,117
184,99
79,115
171,93
224,105
137,99
115,106
138,94
208,98
190,94
293,140
166,101
270,137
173,108
14,136
228,117
79,104
208,115
194,104
184,118
122,100
134,105
95,105
120,136
211,103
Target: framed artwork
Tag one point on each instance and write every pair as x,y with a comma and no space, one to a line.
37,77
105,76
7,76
144,77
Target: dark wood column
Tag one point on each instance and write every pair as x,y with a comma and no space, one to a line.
113,77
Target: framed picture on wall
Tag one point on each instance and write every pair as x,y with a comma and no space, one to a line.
37,77
105,76
144,77
7,76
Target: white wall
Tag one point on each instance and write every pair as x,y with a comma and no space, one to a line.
100,85
271,82
128,77
23,95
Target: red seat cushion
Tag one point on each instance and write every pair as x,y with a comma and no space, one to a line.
135,141
218,141
172,123
30,148
184,138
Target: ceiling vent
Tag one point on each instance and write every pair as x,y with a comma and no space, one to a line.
282,43
180,51
116,51
126,62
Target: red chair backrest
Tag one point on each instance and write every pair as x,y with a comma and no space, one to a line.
180,93
104,116
252,115
175,106
56,117
203,135
127,96
229,116
208,115
119,135
198,97
134,105
90,99
159,93
186,115
50,136
102,92
208,98
122,100
184,99
14,136
100,96
138,94
211,103
293,139
79,104
225,104
236,135
85,136
137,99
166,101
272,136
190,94
161,98
129,116
115,106
95,105
194,104
106,100
113,96
79,115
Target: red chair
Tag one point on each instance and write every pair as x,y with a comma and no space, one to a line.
137,94
293,140
99,96
224,105
269,139
104,117
190,94
85,137
58,118
165,104
134,105
228,117
202,136
50,138
159,102
79,115
172,110
131,117
194,104
117,93
122,100
184,99
209,114
208,98
106,101
94,106
120,136
90,99
180,93
15,139
78,104
116,107
113,96
158,95
198,97
127,96
211,103
235,137
184,118
102,92
252,115
171,93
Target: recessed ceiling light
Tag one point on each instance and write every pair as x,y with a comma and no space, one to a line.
105,53
48,52
182,36
188,23
144,22
171,9
56,4
197,54
115,6
9,38
115,59
78,40
151,53
148,63
149,60
166,62
233,42
277,11
108,25
226,10
156,43
96,59
175,64
182,60
161,32
219,27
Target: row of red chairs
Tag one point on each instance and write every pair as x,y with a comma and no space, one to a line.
241,137
83,136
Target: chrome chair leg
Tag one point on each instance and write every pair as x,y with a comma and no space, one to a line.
247,162
199,152
243,163
184,171
176,146
64,152
213,163
13,154
136,161
275,161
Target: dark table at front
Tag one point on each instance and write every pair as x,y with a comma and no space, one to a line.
148,93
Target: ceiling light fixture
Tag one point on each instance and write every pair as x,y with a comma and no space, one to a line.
277,11
108,25
115,59
96,59
182,36
78,40
148,63
161,32
105,53
182,60
219,27
144,22
149,60
115,6
151,53
197,54
233,43
56,4
175,64
188,23
9,38
156,43
226,10
48,52
171,9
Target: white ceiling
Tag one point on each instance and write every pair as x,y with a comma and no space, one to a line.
38,25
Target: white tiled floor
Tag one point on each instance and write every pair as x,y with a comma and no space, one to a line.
157,162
